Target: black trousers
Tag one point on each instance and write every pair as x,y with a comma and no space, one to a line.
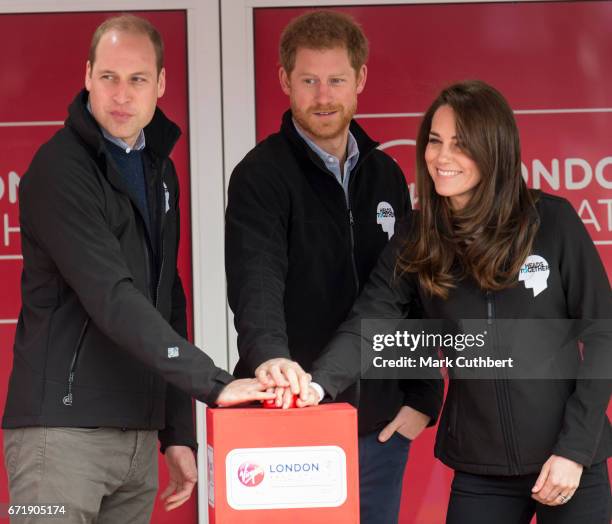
488,499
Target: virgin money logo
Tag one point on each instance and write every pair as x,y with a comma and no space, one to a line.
250,474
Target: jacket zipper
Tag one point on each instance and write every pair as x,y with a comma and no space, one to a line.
145,249
357,386
161,206
155,300
503,398
347,201
161,249
67,400
162,221
354,263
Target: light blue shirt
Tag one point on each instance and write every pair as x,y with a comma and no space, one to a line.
331,162
140,141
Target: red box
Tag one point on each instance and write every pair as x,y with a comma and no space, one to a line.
278,466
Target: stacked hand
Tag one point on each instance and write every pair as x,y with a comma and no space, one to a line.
276,379
243,390
286,378
284,397
284,373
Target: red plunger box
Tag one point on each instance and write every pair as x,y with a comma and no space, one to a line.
278,466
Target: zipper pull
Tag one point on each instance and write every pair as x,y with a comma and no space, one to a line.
489,309
351,220
67,400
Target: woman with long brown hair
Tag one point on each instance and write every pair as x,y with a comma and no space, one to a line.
484,246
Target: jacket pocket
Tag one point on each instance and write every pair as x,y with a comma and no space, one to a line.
67,400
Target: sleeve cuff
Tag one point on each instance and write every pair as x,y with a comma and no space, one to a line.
576,456
428,405
166,440
318,389
222,379
324,384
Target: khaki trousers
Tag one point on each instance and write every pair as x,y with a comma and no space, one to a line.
99,475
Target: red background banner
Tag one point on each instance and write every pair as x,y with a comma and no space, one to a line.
41,74
546,58
550,60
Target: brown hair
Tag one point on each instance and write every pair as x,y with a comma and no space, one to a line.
129,24
323,30
490,238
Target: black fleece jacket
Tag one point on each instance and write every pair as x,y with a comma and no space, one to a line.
501,425
101,335
297,256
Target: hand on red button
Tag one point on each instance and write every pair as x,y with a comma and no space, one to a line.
284,399
284,373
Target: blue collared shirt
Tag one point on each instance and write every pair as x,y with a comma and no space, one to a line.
138,146
331,162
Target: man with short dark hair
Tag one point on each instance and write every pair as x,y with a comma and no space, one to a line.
102,367
309,211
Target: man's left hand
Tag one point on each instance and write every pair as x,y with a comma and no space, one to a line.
408,422
183,476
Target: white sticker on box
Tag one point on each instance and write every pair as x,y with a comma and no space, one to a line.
211,476
288,477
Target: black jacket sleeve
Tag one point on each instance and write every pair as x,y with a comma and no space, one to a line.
62,207
179,429
385,296
426,394
588,296
256,262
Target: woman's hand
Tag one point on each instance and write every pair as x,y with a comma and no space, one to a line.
558,480
285,397
243,390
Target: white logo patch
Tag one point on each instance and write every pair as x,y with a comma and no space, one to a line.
173,352
534,273
167,195
385,217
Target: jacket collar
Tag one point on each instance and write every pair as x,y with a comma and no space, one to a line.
365,144
161,134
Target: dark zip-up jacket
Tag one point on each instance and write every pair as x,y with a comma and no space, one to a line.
496,425
100,339
297,257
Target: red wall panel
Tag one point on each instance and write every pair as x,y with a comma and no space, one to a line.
541,56
40,76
